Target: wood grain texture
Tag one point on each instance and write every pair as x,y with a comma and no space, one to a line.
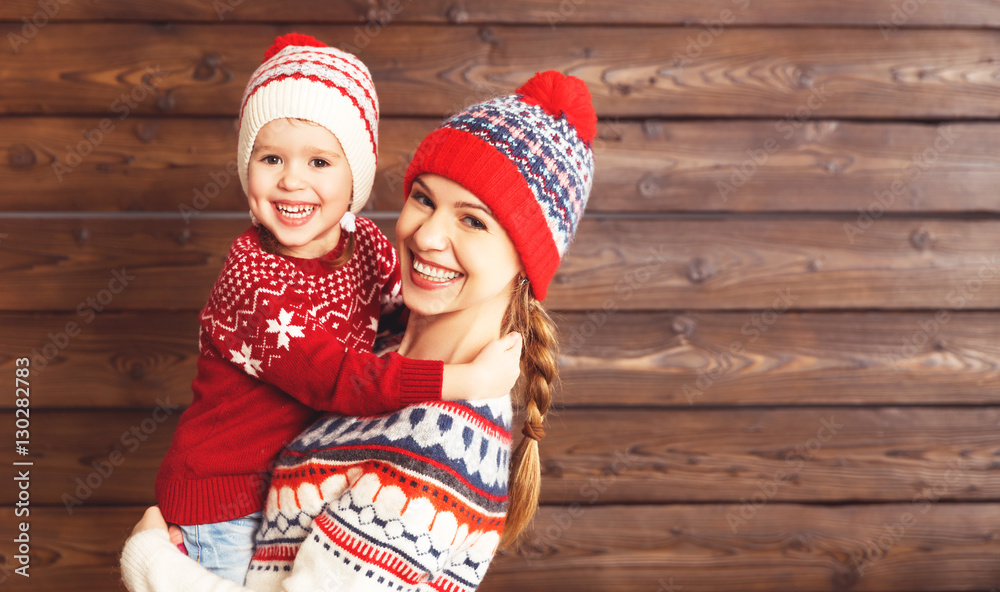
615,264
662,359
119,70
883,13
187,166
784,547
815,455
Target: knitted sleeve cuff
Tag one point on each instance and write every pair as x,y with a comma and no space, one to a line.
151,563
140,552
420,380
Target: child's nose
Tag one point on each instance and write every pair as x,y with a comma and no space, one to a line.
291,177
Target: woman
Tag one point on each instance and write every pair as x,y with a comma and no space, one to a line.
419,499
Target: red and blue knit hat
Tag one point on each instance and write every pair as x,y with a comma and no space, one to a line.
302,78
528,156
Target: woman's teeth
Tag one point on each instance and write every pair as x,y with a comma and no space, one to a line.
434,274
295,211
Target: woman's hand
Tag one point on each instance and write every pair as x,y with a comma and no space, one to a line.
154,519
151,519
492,374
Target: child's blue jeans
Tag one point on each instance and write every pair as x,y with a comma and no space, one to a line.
225,548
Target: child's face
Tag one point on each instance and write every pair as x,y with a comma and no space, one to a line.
453,254
299,185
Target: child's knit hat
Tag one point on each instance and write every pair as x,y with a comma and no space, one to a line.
302,78
528,156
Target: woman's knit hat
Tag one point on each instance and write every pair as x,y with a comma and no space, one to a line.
528,156
302,78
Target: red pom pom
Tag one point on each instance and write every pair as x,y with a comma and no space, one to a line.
296,39
560,94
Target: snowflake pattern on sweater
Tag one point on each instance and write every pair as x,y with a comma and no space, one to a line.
413,500
281,339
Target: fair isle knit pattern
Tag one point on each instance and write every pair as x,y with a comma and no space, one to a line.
319,84
556,164
413,500
281,339
528,157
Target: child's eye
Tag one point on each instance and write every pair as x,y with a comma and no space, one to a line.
271,159
319,163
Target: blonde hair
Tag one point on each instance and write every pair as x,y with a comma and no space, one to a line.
539,373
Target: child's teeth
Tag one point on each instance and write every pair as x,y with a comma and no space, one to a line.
434,273
296,211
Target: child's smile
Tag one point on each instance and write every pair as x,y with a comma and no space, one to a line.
299,186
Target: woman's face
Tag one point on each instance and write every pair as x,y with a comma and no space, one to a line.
453,253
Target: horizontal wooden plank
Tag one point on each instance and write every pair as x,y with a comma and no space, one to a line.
665,358
615,263
432,70
640,548
886,14
187,165
821,454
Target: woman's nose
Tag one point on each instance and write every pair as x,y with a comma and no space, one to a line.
432,234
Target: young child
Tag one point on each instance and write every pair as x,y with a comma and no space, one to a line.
289,325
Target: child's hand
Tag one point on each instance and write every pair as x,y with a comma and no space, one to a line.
492,374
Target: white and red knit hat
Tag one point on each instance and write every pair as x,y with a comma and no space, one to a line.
528,156
302,78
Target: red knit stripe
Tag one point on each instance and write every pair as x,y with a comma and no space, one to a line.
358,74
327,83
471,416
365,552
479,167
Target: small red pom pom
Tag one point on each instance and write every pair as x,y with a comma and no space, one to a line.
560,94
295,39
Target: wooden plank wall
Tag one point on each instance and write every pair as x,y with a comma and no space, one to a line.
780,321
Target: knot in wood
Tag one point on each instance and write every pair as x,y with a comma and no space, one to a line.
457,14
649,186
207,67
21,156
145,131
699,270
920,238
683,325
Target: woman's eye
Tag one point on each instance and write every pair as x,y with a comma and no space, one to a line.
475,222
422,199
319,163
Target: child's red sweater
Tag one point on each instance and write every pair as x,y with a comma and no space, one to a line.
282,338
